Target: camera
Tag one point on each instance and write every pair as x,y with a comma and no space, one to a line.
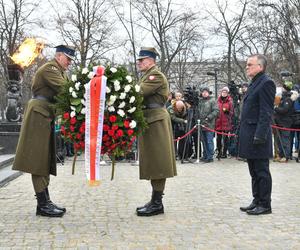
286,73
191,95
234,88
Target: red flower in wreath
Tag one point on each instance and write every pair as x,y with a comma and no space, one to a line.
126,124
130,132
112,118
114,127
82,129
111,132
66,116
73,120
105,127
72,128
120,133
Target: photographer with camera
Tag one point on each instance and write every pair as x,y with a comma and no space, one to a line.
207,113
178,114
224,122
284,118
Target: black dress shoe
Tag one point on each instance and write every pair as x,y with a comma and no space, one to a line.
259,210
250,207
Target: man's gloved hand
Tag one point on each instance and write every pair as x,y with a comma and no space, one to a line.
257,141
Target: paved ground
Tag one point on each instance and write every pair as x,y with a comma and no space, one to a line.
201,211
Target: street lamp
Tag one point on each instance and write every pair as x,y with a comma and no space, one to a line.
215,74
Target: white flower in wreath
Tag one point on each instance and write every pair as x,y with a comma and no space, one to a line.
71,90
112,100
117,85
74,94
83,102
132,99
121,112
123,96
74,78
132,124
127,88
108,90
91,75
85,71
73,108
137,88
72,114
131,110
129,79
122,105
82,111
77,85
113,70
111,109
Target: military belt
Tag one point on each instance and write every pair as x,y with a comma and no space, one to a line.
40,97
154,106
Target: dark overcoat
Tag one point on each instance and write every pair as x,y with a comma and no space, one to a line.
156,147
256,119
35,152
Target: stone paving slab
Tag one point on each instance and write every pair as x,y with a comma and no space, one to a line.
201,211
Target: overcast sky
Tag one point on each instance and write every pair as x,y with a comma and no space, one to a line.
51,36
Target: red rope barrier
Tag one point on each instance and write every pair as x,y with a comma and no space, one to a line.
181,137
217,132
229,134
286,129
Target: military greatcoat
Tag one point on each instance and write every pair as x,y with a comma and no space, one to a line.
156,147
35,152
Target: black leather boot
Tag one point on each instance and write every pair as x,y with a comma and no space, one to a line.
155,207
147,204
44,208
53,204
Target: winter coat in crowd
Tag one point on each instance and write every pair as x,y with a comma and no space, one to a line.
224,119
283,115
207,111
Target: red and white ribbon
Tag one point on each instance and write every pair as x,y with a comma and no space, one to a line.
94,117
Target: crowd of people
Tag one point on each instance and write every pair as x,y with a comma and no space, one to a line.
220,121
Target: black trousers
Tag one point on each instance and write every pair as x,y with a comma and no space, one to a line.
222,143
261,181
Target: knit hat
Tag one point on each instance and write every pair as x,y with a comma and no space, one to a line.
225,89
205,89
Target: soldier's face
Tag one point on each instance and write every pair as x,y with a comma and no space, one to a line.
253,67
64,61
145,63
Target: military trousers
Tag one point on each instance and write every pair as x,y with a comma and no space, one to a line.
40,183
158,185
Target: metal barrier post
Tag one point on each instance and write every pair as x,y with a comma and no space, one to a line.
198,142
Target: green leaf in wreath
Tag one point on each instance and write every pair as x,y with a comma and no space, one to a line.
79,107
75,101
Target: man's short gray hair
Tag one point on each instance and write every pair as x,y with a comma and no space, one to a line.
262,60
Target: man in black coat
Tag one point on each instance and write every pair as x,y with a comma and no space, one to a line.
255,133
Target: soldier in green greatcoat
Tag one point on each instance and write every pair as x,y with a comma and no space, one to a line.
35,153
156,147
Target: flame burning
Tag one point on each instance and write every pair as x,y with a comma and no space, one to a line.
27,52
